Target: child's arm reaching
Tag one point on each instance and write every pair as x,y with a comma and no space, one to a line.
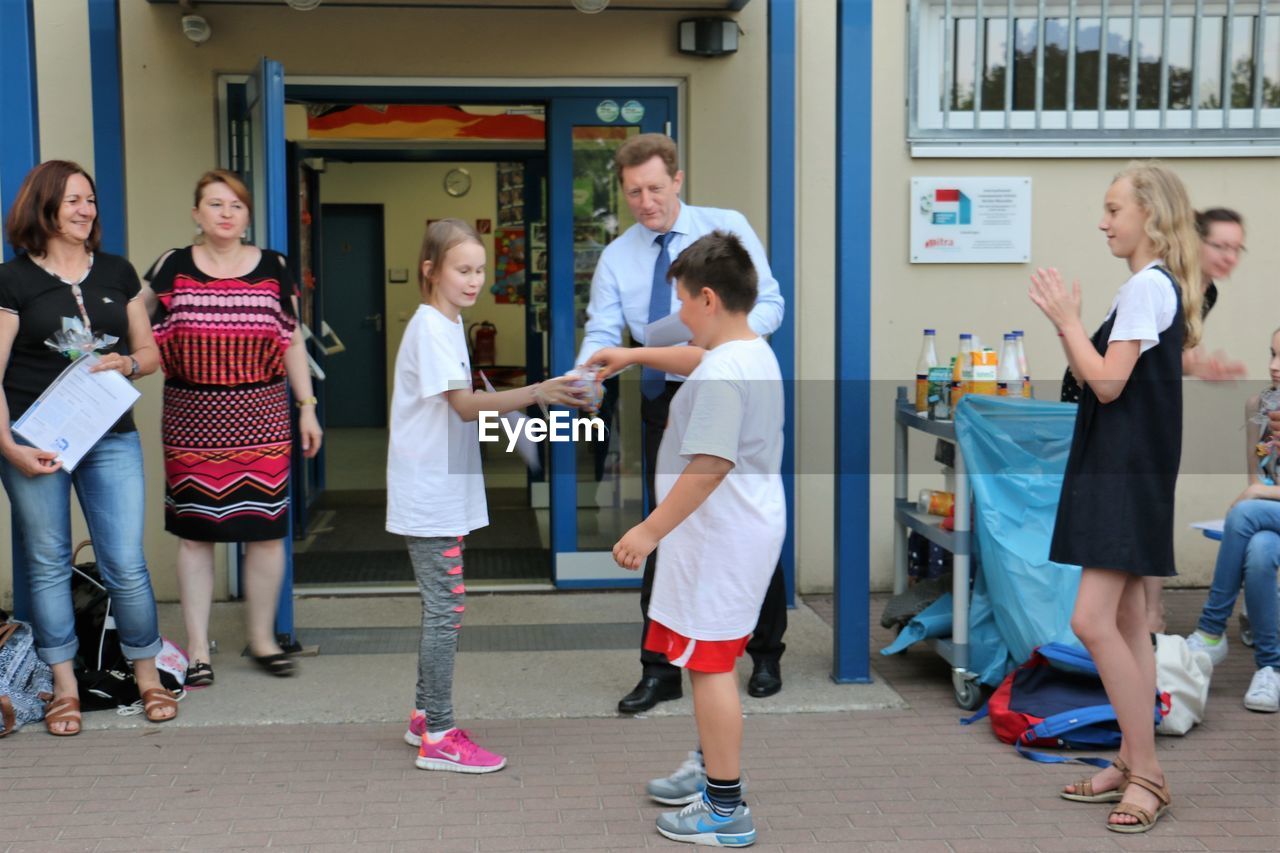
696,483
680,361
560,391
1106,375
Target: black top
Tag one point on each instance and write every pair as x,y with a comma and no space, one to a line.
42,301
1116,507
1071,388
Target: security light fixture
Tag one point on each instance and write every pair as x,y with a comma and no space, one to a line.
708,36
303,5
590,7
196,29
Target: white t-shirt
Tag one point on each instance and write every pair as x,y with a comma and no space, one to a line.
1144,307
434,483
714,568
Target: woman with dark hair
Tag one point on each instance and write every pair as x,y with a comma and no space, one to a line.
60,282
226,320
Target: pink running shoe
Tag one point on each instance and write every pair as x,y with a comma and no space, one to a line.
457,752
417,728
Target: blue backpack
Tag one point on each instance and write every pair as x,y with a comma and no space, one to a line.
1055,699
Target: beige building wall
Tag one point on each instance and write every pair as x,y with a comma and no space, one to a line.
170,113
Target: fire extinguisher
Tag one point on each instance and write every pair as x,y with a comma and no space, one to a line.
484,342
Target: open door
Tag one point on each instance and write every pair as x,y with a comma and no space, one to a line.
596,488
256,151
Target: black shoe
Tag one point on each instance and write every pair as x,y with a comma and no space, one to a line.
766,679
649,692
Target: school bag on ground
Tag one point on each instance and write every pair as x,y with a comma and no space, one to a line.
26,682
1056,699
1182,677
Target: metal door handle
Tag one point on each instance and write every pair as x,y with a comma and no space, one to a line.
377,321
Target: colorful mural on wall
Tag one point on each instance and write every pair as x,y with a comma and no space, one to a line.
436,122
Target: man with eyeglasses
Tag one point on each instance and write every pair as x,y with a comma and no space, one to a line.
630,289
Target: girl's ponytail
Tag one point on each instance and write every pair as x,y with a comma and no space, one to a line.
1171,225
441,236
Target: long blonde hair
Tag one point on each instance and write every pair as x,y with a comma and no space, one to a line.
1171,226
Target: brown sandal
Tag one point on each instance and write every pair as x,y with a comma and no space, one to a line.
155,699
64,710
1146,820
1084,788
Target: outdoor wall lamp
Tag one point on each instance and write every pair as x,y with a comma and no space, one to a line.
196,29
707,36
590,7
303,5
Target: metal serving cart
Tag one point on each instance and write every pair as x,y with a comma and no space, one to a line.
955,649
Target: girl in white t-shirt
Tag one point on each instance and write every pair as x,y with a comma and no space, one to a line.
435,489
1115,513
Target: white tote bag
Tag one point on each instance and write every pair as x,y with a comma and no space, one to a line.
1182,679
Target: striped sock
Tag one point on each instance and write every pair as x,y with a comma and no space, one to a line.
724,795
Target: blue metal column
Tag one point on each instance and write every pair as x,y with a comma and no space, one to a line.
20,142
19,153
852,636
782,242
108,122
275,218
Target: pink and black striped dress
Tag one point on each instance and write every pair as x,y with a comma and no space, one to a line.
226,422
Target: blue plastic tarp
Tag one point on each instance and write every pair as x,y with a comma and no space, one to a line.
1015,452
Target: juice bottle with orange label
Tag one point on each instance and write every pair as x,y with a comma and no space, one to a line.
962,369
985,364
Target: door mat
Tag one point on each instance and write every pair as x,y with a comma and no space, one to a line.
578,636
352,567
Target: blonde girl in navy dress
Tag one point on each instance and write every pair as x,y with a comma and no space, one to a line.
1115,515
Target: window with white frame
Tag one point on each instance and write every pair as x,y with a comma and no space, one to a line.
1015,72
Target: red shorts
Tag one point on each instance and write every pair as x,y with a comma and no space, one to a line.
694,655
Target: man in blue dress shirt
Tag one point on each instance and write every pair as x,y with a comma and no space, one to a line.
630,289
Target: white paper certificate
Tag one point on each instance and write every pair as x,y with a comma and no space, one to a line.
76,410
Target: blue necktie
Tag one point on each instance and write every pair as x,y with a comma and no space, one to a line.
652,382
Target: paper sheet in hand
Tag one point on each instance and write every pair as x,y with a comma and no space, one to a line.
1214,526
76,410
667,332
527,449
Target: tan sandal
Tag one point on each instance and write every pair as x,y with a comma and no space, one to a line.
64,710
1146,820
156,699
1083,792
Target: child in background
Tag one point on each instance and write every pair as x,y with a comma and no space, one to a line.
435,489
720,516
1249,554
1115,515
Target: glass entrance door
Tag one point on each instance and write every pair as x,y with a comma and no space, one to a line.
596,487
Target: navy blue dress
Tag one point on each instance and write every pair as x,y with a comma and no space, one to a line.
1116,507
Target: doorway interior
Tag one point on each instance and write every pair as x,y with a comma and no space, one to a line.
556,191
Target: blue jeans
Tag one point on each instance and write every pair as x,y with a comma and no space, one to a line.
110,485
1250,548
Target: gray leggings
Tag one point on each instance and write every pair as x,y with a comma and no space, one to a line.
437,565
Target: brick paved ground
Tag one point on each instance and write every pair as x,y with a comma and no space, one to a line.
903,781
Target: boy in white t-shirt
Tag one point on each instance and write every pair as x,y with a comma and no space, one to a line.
721,515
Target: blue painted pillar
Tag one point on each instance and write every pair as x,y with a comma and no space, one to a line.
852,636
20,141
108,123
782,241
19,153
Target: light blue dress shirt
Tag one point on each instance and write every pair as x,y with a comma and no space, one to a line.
624,278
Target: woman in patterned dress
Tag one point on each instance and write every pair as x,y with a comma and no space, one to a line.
225,315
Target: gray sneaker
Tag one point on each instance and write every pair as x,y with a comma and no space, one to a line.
684,786
697,823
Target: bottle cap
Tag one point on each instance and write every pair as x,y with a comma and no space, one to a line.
930,332
965,335
1018,332
1011,336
